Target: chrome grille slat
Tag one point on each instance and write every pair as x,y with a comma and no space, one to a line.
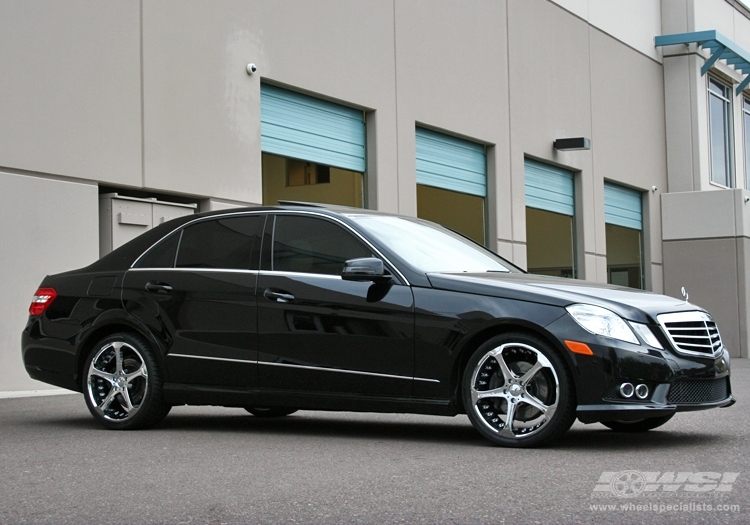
692,333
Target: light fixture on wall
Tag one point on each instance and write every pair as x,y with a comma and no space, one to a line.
572,144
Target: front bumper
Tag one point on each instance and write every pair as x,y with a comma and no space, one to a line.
636,412
675,382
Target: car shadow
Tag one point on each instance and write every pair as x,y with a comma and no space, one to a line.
308,424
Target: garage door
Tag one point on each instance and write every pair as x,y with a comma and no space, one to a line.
302,127
622,206
549,188
451,163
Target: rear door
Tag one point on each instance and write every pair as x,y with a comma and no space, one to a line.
320,333
196,290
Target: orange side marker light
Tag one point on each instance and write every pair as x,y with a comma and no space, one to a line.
578,348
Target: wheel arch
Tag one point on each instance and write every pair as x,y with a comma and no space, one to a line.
475,340
104,329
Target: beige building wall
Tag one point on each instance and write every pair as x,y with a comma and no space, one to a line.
612,94
50,226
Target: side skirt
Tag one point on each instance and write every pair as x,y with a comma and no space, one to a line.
181,394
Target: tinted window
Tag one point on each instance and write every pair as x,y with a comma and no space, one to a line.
310,245
162,255
221,243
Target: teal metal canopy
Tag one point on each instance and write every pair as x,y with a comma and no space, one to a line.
721,49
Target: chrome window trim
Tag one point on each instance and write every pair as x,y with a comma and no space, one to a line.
357,372
688,317
214,270
209,358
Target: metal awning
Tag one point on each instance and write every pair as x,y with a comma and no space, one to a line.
721,49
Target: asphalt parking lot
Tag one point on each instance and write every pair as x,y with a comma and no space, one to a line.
209,465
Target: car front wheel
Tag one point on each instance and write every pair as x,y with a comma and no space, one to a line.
517,391
123,383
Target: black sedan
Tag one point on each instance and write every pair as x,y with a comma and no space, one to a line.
323,308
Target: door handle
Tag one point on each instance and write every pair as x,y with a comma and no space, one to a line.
158,287
278,296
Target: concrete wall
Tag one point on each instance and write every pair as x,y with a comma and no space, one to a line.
50,226
706,242
632,23
70,94
612,94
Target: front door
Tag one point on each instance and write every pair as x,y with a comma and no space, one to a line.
320,333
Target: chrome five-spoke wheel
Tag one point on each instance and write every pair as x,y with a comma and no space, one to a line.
117,381
122,383
516,391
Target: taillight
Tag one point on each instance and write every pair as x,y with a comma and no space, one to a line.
41,301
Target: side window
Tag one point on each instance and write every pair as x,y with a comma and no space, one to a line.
162,255
230,243
312,245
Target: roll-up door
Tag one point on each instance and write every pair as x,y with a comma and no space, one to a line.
302,127
622,206
549,188
451,163
623,217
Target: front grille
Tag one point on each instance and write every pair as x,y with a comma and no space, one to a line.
692,333
688,392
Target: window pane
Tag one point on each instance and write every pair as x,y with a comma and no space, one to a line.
222,243
549,243
458,211
297,180
429,247
310,245
720,133
624,256
746,119
161,255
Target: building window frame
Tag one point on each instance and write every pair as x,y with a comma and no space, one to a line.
746,128
720,134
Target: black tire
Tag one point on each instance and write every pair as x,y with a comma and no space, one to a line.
642,425
270,411
535,382
122,383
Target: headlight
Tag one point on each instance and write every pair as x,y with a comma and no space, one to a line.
601,321
647,335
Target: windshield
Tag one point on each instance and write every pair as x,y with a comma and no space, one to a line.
429,247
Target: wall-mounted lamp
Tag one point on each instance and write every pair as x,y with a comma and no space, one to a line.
572,144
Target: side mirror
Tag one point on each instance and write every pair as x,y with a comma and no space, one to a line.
365,269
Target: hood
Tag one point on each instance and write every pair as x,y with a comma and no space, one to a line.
635,305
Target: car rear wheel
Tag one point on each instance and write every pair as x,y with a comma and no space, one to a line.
642,425
123,383
270,411
517,391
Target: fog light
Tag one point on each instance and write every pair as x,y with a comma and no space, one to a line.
626,390
641,391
